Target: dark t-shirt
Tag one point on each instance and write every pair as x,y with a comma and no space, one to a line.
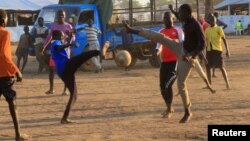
194,41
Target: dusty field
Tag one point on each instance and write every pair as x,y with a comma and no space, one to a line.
126,106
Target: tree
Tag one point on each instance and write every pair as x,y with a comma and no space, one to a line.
209,6
125,3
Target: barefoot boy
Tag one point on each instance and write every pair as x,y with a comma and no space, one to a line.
7,72
66,67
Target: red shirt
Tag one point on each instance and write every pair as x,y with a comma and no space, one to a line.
166,54
7,67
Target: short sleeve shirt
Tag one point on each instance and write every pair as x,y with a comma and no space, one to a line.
214,37
59,56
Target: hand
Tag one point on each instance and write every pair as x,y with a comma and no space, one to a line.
19,77
127,27
170,6
158,52
74,44
205,61
187,57
42,53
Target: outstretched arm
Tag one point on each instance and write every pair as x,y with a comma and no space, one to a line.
170,6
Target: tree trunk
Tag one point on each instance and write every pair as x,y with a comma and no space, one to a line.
209,6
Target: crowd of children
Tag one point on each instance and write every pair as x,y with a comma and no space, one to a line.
178,55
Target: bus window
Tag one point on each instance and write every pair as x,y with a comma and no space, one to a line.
85,15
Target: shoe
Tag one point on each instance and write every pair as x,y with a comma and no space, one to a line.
50,92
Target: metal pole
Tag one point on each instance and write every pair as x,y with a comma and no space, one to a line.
154,11
131,12
198,10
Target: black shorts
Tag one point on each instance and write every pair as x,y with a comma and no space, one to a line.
7,88
22,53
167,74
215,59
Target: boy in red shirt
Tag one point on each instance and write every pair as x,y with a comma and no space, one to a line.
7,72
168,65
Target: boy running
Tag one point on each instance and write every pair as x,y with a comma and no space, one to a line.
66,67
7,72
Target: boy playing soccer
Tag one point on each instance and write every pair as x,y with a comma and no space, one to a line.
7,72
66,67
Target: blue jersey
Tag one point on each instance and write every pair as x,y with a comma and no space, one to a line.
60,57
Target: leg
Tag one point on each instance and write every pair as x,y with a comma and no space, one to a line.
51,80
184,69
69,81
38,57
25,59
214,72
75,62
209,74
167,78
96,62
105,48
18,61
9,93
202,74
224,73
64,90
157,37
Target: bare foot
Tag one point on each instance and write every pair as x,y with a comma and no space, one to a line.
212,90
167,114
23,137
50,92
186,118
64,93
105,48
67,121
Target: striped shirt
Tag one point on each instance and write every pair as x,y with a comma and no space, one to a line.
92,34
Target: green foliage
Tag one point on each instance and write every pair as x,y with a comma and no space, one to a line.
125,3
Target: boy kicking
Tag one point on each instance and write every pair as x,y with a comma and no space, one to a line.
7,72
66,67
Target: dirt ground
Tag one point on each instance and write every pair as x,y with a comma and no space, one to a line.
126,106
